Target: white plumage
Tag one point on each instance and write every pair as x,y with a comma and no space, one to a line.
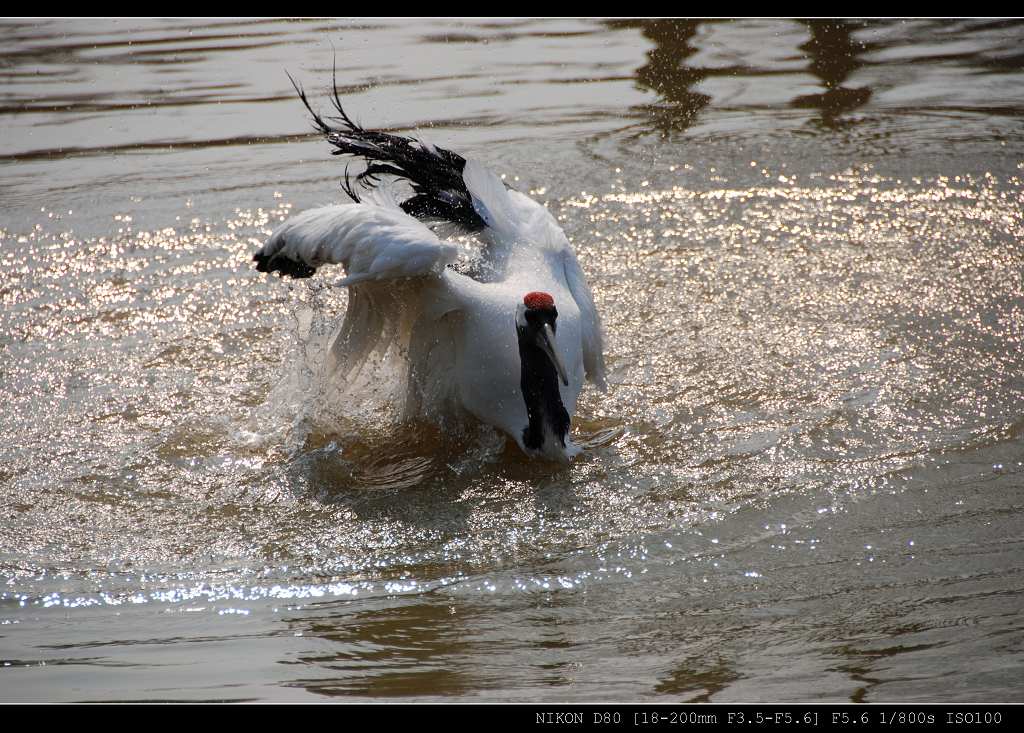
486,342
373,242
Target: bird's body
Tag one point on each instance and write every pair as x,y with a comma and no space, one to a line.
511,343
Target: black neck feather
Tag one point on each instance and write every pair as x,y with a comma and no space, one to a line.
539,382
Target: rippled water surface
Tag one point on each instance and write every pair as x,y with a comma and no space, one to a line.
807,244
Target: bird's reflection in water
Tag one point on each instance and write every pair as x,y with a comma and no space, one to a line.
833,53
666,73
834,56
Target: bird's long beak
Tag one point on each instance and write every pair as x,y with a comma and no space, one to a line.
546,341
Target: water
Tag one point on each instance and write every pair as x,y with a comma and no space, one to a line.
807,244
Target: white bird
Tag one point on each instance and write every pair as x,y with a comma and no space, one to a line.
510,339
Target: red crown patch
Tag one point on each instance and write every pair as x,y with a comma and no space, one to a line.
538,301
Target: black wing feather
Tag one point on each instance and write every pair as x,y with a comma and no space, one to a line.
435,174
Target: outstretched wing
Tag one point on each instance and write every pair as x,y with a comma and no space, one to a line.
372,242
377,245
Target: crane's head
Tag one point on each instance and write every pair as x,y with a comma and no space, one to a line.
547,428
535,325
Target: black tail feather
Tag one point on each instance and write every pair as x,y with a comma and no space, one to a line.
435,174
